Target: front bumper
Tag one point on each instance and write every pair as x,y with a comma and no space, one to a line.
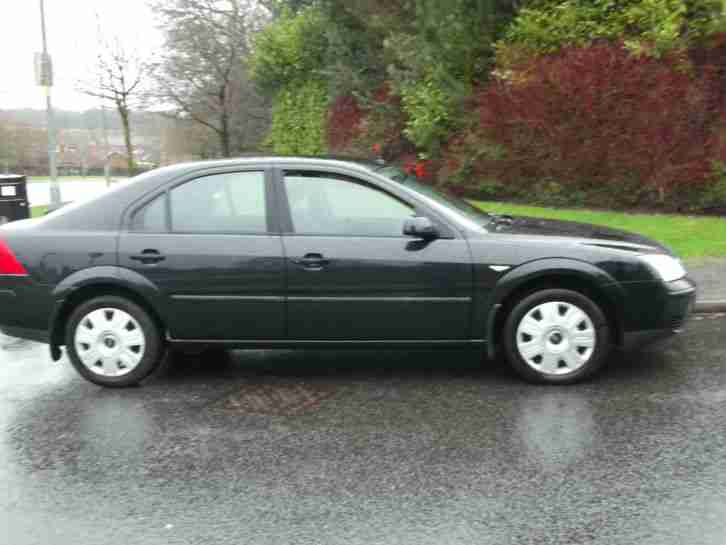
670,310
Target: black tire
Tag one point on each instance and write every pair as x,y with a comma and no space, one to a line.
153,350
529,303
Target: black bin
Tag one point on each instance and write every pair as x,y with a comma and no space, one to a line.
13,198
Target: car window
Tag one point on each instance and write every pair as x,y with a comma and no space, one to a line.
220,203
330,205
151,218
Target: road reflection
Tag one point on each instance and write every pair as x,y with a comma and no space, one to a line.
556,427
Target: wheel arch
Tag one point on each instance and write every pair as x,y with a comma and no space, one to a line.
74,292
574,275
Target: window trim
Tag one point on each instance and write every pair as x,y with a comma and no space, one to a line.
286,223
147,201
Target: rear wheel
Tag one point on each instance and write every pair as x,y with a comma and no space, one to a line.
556,336
113,342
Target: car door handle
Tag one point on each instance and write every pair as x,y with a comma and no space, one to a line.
312,261
148,257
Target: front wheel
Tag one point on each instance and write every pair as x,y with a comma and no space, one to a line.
113,342
556,336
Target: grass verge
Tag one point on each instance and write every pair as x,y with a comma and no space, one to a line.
689,236
37,211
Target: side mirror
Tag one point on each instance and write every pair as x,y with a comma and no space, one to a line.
420,227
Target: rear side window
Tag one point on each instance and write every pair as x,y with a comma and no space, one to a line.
151,218
220,203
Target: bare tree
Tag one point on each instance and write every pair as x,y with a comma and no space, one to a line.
202,75
117,77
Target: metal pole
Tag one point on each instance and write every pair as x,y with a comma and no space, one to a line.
55,197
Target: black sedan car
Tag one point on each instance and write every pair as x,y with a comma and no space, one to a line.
304,252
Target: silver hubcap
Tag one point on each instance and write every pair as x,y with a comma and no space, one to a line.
556,338
110,342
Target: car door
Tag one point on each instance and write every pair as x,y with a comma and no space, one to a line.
209,245
353,275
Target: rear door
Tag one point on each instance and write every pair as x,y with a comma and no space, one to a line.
353,275
210,244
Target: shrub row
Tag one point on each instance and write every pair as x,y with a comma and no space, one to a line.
596,125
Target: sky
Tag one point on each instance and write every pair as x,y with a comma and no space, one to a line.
72,31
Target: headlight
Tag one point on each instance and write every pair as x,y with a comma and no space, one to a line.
668,268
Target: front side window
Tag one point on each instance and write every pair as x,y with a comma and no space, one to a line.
220,203
326,204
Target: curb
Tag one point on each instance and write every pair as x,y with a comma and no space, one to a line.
709,307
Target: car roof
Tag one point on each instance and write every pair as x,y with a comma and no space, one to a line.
303,160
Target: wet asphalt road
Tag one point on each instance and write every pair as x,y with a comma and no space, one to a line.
365,448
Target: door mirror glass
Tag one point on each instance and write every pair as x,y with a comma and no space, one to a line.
420,227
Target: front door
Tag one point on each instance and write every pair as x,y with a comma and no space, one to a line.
353,275
208,247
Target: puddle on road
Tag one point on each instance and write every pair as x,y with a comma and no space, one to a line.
276,399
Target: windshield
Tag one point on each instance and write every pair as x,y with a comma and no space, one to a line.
470,211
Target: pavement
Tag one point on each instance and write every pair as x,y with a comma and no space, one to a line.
71,190
307,447
710,275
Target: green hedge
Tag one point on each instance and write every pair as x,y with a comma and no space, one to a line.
298,119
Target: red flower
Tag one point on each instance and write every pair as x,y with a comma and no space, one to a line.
420,169
376,148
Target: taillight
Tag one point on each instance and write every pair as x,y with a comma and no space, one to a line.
9,264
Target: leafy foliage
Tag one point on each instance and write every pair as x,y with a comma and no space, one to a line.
714,195
435,62
594,115
291,48
422,49
343,124
655,25
613,102
298,119
428,108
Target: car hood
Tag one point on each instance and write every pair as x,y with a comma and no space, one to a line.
587,232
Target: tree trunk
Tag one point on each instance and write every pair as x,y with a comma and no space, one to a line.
224,141
124,113
224,122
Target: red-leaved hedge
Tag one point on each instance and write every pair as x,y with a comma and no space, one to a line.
343,125
602,114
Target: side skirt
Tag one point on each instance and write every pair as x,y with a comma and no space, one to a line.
285,344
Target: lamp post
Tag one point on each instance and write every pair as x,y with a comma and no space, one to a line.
44,75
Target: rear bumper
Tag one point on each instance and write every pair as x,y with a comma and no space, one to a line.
672,308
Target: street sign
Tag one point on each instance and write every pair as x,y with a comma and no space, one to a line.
43,70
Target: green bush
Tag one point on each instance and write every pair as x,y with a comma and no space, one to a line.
298,119
652,25
551,193
428,110
714,194
291,48
491,190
